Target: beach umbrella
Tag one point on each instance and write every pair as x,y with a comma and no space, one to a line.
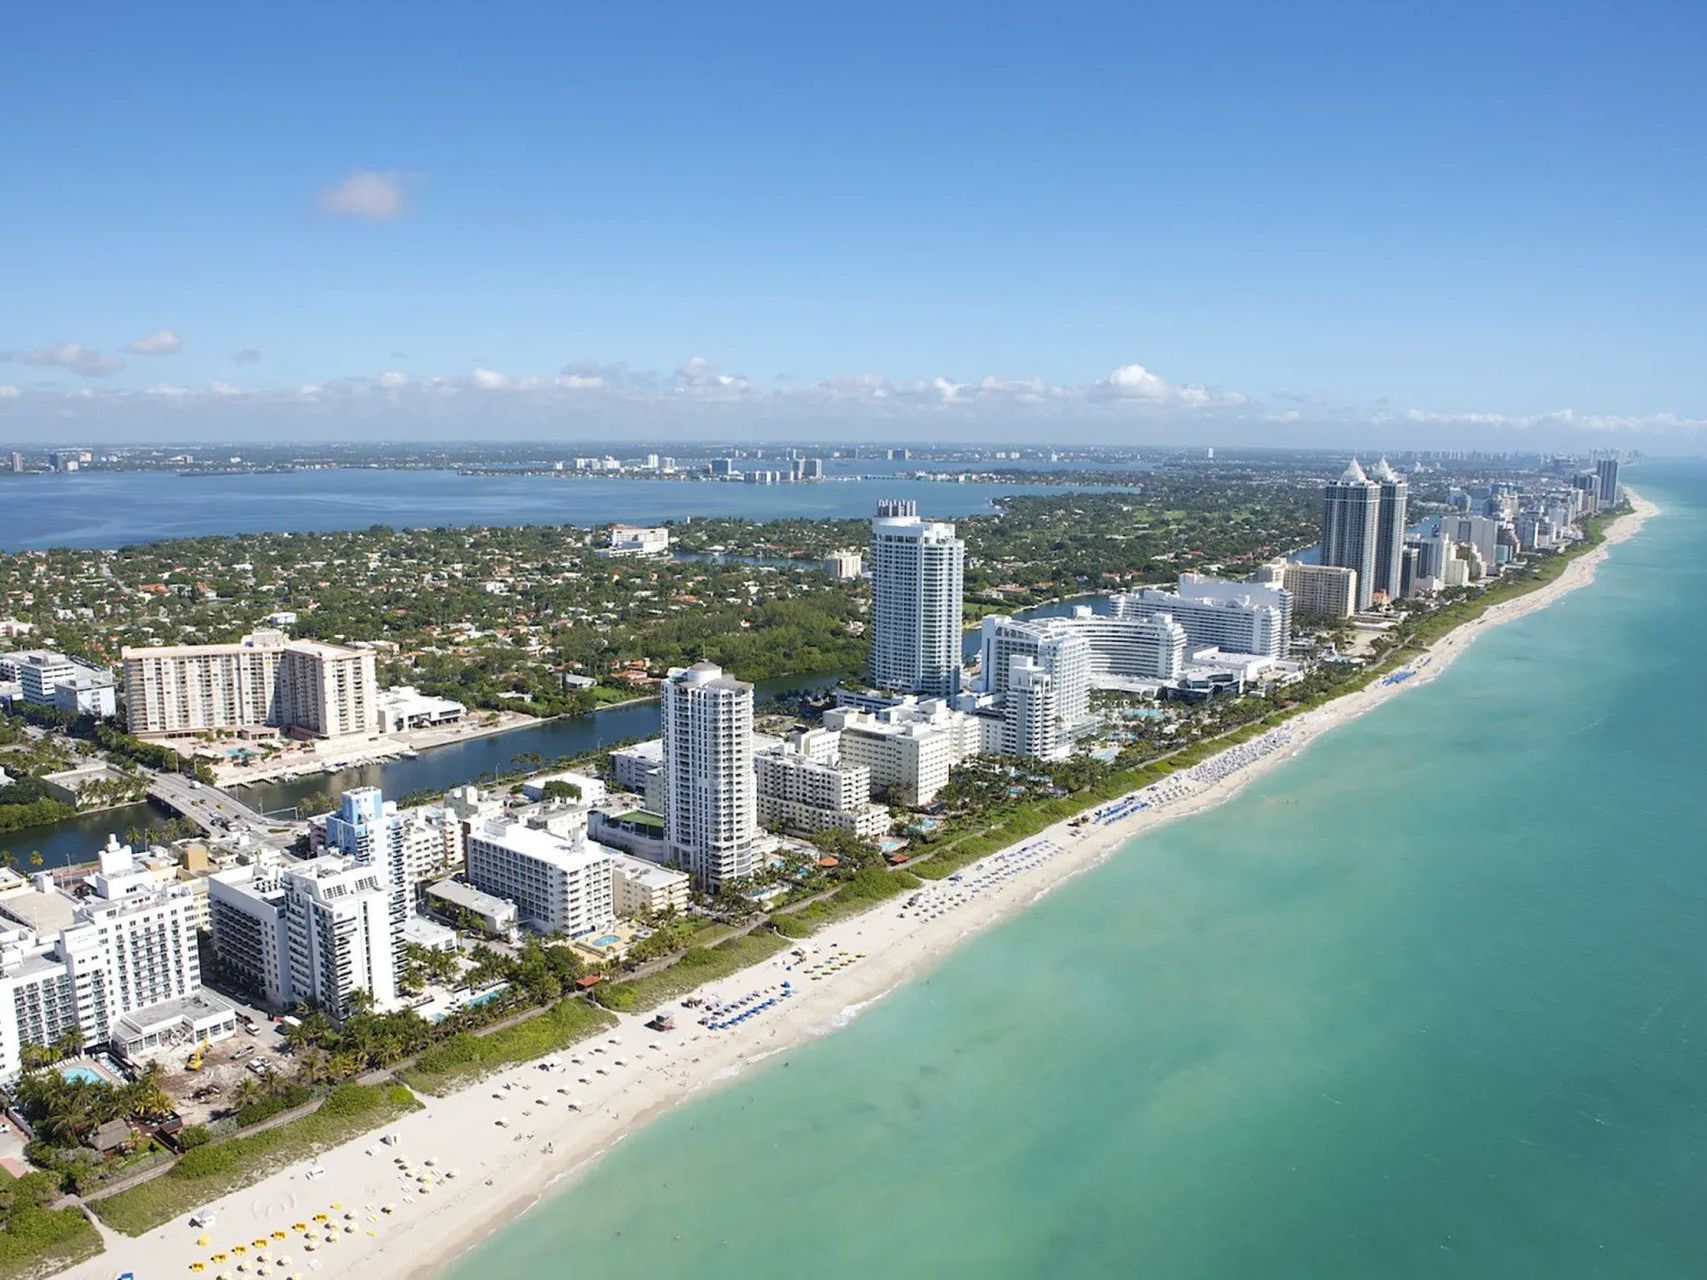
202,1242
278,1235
388,1208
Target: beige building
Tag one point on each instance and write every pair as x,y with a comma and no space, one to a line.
263,680
639,886
1321,590
803,795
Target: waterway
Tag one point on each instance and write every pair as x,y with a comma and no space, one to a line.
119,508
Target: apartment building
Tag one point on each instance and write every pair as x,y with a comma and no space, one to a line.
803,795
559,886
263,680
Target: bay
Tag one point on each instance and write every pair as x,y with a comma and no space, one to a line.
117,508
1427,1000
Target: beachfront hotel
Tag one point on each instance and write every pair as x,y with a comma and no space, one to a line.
917,572
1390,517
560,883
263,681
709,792
1351,514
908,748
125,951
1237,617
802,792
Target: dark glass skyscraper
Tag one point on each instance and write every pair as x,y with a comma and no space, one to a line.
1351,508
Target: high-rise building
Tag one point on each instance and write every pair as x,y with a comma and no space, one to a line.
1351,511
1057,647
560,884
1321,590
369,832
126,948
17,464
1389,530
917,571
264,679
314,932
800,793
1031,724
1606,471
710,805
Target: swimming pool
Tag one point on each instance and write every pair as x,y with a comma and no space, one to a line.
79,1073
609,940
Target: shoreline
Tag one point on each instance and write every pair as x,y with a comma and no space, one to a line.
527,1112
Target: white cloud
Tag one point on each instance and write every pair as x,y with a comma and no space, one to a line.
162,342
366,193
1136,383
9,393
217,388
1657,423
75,357
694,368
490,379
393,379
581,382
247,355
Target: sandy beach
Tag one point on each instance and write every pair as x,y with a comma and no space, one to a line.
478,1158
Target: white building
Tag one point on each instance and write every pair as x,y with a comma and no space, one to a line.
1351,512
636,540
1242,617
50,679
313,932
709,795
263,680
87,694
1030,717
559,885
87,963
639,887
1389,530
804,794
909,748
633,767
844,566
406,707
1058,649
917,578
592,790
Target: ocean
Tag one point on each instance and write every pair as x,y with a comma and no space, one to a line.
1427,1000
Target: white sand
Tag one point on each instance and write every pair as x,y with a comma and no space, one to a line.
502,1170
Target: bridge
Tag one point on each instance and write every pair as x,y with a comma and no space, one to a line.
208,807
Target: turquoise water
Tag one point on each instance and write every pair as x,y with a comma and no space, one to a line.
81,1074
1427,1001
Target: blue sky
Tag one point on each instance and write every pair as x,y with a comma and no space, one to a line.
1297,223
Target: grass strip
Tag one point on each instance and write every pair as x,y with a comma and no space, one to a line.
469,1055
208,1172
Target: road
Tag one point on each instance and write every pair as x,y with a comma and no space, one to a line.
208,807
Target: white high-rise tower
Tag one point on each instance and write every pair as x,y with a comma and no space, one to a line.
918,570
710,795
1389,530
1351,508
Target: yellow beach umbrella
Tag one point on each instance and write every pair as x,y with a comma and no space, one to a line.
278,1235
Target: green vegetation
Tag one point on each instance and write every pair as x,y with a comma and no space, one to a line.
468,1056
216,1168
34,1239
697,965
868,887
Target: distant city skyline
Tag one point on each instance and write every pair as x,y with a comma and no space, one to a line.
1310,225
